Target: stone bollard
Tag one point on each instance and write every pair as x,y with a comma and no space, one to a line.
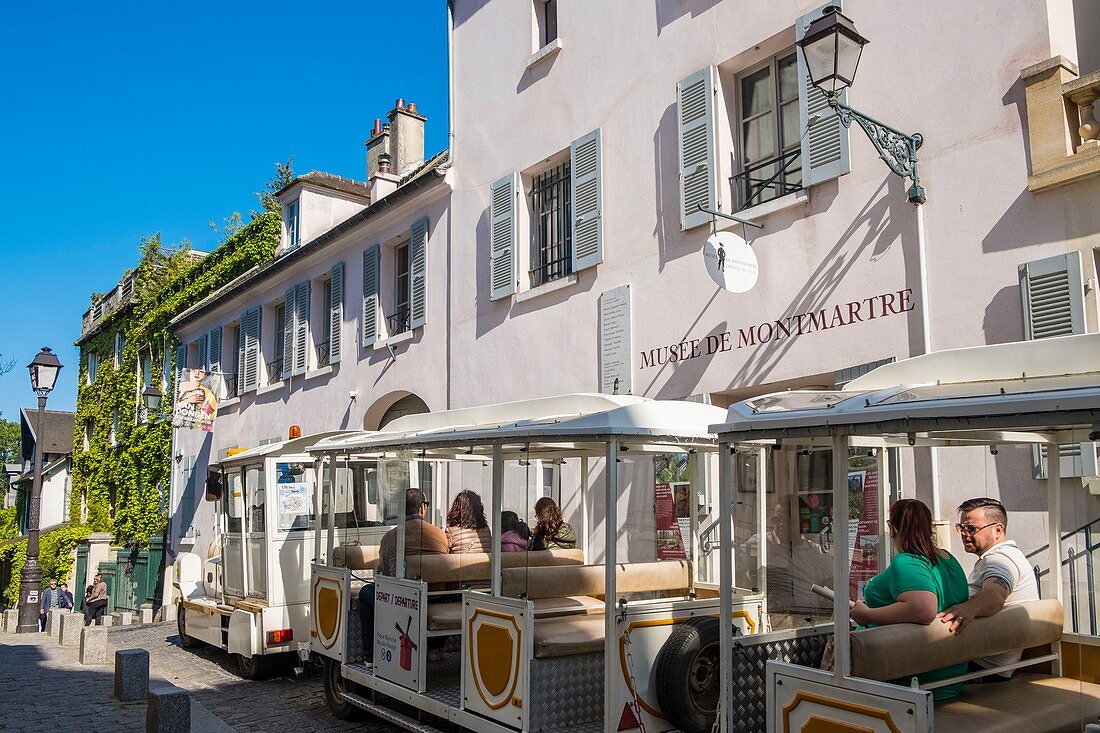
106,620
125,618
11,620
93,645
146,614
169,711
71,625
131,674
53,620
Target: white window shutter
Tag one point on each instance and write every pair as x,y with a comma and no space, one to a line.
215,359
203,363
369,330
825,149
301,328
504,236
1052,294
288,333
249,377
418,273
335,313
696,132
585,155
181,359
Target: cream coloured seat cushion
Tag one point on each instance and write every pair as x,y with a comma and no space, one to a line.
1034,703
448,616
565,635
588,580
476,566
355,557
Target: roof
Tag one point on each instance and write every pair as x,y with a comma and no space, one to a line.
57,432
1048,389
416,180
543,425
331,182
285,447
46,470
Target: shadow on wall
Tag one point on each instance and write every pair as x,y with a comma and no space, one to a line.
467,9
1017,96
532,74
666,157
1003,321
669,11
189,500
881,210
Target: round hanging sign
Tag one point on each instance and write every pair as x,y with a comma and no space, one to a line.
731,262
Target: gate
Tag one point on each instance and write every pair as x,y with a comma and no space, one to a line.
134,577
76,585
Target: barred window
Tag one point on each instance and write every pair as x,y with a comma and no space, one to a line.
770,139
551,232
399,321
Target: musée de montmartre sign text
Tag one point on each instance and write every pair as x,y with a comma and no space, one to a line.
823,319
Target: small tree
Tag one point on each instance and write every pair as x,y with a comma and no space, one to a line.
284,174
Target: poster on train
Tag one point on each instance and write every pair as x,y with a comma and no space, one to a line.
864,539
400,632
670,538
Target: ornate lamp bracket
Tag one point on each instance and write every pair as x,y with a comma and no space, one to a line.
896,149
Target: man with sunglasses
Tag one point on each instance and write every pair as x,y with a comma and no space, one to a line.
1001,577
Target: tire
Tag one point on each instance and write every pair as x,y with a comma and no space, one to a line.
255,667
688,680
187,642
334,685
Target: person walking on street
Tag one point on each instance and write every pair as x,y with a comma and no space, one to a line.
51,598
66,597
96,602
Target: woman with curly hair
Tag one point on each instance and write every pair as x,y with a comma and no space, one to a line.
467,530
551,531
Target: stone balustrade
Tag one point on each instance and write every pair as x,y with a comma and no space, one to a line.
1063,134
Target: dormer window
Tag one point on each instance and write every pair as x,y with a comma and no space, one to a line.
293,230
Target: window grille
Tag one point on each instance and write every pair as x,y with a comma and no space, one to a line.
551,233
398,322
771,140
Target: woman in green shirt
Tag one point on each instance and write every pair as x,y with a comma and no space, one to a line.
920,581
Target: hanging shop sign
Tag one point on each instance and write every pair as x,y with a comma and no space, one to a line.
731,263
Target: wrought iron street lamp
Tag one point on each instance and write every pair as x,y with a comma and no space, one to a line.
832,48
151,397
43,371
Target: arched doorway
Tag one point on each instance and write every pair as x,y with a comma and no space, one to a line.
408,404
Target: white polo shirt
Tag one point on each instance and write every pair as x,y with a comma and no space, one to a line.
1005,563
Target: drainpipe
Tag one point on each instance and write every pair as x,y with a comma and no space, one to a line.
442,168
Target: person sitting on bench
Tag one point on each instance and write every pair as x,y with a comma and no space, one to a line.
551,531
467,530
921,580
421,538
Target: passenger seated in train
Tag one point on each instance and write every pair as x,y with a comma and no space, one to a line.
551,531
421,538
467,530
515,535
919,582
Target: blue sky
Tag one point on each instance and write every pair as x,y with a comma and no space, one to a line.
124,119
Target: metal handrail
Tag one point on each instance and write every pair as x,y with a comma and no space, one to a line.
749,188
398,322
1070,563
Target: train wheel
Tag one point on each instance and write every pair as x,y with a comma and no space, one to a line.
688,679
187,642
335,684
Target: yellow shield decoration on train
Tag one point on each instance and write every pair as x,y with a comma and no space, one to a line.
494,656
326,610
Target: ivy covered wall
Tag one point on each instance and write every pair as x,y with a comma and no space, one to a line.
123,489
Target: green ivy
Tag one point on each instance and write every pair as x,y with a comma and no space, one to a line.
55,550
9,522
125,486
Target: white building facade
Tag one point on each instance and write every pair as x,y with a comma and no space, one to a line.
563,249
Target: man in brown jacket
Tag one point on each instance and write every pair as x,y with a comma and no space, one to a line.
421,538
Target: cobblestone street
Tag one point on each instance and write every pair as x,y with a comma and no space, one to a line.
44,683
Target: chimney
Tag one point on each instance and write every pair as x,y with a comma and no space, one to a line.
377,143
383,182
407,137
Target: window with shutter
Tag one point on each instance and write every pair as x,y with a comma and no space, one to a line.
696,130
215,357
181,359
248,378
1052,294
203,360
289,325
301,328
587,200
825,154
335,312
369,330
418,269
503,235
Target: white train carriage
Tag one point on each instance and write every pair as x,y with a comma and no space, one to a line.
601,637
